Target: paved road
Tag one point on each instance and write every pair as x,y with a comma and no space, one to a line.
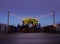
30,38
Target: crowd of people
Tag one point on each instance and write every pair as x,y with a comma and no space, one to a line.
33,29
24,28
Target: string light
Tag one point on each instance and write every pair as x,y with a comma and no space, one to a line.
11,14
15,15
38,16
46,15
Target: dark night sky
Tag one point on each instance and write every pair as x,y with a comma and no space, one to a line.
30,8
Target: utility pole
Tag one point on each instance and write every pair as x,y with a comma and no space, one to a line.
54,28
8,18
7,27
53,17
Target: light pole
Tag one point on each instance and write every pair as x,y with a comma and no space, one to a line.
53,17
7,27
54,28
8,18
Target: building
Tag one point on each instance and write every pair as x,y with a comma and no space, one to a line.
57,26
2,28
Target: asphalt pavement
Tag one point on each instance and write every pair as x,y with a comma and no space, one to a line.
30,38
